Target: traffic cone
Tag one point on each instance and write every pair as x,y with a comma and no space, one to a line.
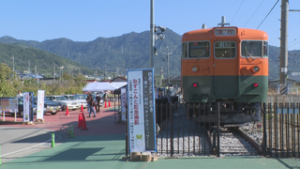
83,127
80,119
69,129
53,140
67,111
108,103
72,132
81,109
105,106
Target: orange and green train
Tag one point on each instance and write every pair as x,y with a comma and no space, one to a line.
227,65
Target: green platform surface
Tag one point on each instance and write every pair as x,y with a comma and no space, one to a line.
106,151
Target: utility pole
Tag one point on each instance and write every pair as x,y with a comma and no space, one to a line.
28,67
152,40
35,72
283,46
168,65
13,58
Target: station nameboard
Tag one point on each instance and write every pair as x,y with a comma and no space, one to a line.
141,110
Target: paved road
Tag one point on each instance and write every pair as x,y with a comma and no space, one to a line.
18,140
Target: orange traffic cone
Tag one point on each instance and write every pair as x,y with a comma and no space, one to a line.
83,127
67,111
80,119
81,109
105,106
109,103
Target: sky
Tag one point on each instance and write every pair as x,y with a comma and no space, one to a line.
80,20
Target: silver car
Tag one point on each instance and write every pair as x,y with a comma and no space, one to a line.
65,101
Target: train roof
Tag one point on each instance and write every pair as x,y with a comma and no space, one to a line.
210,33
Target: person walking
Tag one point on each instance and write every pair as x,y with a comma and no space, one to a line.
98,99
90,104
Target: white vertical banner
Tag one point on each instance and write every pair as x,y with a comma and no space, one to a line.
123,103
40,104
141,110
26,101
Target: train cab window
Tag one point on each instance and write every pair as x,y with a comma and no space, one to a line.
184,50
255,49
199,49
225,49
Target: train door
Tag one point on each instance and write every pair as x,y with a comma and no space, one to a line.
225,69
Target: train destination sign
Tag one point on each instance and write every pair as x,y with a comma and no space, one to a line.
225,32
141,110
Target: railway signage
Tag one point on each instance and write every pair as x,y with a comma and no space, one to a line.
225,32
141,110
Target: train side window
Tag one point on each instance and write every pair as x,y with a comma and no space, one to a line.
199,49
255,49
225,49
184,50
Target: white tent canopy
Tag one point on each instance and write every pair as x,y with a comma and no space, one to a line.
119,84
100,86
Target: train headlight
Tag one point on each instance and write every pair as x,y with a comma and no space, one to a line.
255,69
195,84
195,69
255,85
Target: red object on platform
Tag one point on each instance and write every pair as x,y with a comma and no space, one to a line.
80,119
105,106
67,111
81,109
83,127
109,103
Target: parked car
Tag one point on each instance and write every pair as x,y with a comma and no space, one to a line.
49,106
78,100
64,101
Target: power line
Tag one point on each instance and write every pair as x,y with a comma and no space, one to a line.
268,14
237,11
254,13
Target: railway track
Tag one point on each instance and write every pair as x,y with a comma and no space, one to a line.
234,141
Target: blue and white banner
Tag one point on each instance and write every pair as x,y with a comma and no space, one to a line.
40,104
141,110
26,102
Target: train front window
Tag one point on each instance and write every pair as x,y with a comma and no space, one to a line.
199,49
225,49
255,49
184,51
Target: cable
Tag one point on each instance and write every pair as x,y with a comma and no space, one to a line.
237,11
268,14
254,13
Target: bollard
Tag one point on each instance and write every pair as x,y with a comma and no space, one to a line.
69,129
72,132
53,140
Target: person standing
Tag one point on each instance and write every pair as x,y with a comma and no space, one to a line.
19,94
90,104
98,99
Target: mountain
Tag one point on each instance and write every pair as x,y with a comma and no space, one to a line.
44,61
128,51
131,51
